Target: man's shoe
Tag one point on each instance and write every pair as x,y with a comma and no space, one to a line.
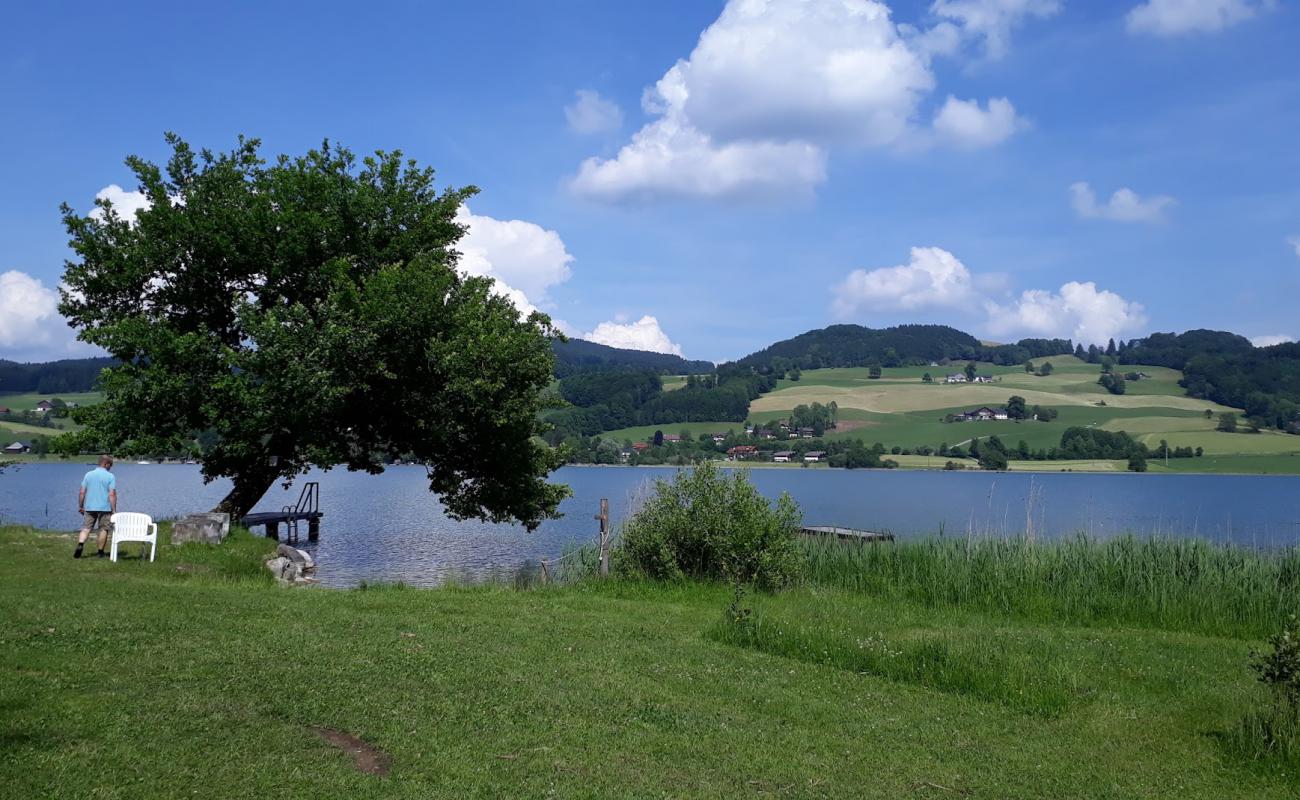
77,553
101,554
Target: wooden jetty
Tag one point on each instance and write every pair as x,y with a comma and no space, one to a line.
847,534
306,509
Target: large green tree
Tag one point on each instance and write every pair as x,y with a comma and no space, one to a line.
308,312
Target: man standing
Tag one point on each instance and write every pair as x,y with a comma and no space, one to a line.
97,502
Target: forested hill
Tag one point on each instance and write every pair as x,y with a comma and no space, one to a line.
71,375
856,346
1226,368
580,355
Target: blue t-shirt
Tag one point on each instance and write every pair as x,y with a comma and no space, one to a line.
98,483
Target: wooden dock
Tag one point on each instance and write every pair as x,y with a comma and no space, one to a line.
306,509
847,534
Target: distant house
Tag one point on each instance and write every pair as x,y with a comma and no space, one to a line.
782,456
672,437
742,452
719,438
640,447
814,456
956,377
934,363
984,414
17,448
44,407
806,433
764,433
983,379
6,410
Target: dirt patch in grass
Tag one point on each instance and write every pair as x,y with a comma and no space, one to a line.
852,425
365,757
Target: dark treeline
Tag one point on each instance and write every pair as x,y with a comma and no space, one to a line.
856,346
53,377
608,400
579,355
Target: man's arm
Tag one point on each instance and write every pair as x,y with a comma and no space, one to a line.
112,500
81,501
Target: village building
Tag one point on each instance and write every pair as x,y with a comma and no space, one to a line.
672,438
983,379
719,438
741,452
17,448
624,455
764,433
44,407
6,410
983,414
640,447
782,456
813,456
806,433
956,377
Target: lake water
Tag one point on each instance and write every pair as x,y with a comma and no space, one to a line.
389,528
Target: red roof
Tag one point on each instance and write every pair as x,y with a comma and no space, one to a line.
742,448
640,446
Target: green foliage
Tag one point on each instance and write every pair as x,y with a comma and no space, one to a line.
1112,382
579,355
1045,369
1016,407
1279,670
310,313
1227,422
1171,584
712,526
1137,462
874,372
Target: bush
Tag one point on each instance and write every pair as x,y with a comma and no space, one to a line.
712,526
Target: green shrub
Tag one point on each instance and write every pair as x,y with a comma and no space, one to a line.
712,526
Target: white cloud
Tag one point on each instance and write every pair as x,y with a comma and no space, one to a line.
1178,17
668,159
126,204
1294,241
28,312
523,258
1078,310
991,21
591,113
770,86
1124,205
932,278
964,124
1269,341
644,334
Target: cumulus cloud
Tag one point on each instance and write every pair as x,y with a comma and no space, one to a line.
1294,241
964,124
932,278
1078,310
126,204
1179,17
991,21
28,312
935,278
591,113
643,334
771,86
523,258
1270,340
1124,205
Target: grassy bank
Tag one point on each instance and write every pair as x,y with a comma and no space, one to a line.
195,676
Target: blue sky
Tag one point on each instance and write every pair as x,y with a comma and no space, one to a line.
707,178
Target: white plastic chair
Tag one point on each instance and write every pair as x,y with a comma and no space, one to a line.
129,526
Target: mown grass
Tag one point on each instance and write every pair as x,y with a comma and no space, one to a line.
196,676
1171,584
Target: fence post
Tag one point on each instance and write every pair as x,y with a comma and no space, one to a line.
603,517
546,574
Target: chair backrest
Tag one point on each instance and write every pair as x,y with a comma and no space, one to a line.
131,523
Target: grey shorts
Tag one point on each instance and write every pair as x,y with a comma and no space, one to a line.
98,520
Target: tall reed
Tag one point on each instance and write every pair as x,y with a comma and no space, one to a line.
1175,584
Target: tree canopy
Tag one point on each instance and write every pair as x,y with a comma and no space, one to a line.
308,312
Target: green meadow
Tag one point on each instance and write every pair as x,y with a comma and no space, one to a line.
899,409
1079,671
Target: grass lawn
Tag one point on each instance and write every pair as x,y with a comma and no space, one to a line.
197,677
21,401
643,433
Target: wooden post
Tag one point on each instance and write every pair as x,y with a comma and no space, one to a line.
273,531
603,518
313,529
546,574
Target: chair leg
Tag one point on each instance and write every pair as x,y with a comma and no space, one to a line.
112,551
153,550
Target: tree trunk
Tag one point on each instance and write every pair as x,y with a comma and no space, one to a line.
248,489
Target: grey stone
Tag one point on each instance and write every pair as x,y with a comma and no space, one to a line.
289,572
212,528
299,557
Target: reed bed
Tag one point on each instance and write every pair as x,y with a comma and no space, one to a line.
1173,584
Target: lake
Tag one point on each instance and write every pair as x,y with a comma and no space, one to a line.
388,528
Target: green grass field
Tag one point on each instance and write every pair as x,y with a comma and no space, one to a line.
26,400
196,677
